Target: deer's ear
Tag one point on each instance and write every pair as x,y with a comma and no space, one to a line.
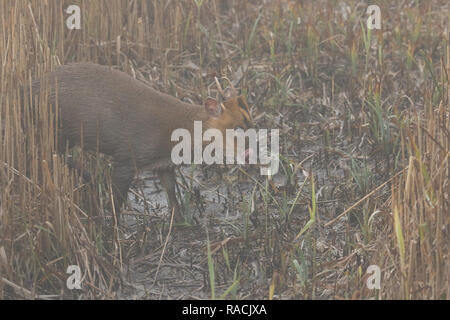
242,102
212,107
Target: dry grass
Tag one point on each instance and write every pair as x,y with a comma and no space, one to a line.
364,125
415,254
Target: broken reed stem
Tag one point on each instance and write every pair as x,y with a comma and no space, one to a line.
364,198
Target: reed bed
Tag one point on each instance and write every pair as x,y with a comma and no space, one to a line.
364,126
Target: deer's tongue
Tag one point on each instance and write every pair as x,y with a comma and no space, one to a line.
247,154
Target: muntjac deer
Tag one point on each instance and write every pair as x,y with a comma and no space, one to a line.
117,115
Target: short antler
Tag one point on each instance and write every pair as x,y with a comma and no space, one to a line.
219,87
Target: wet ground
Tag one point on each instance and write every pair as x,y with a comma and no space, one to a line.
171,262
178,270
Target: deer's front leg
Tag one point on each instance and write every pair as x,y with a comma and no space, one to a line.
122,176
168,181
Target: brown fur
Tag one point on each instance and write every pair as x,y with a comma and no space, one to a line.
121,117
